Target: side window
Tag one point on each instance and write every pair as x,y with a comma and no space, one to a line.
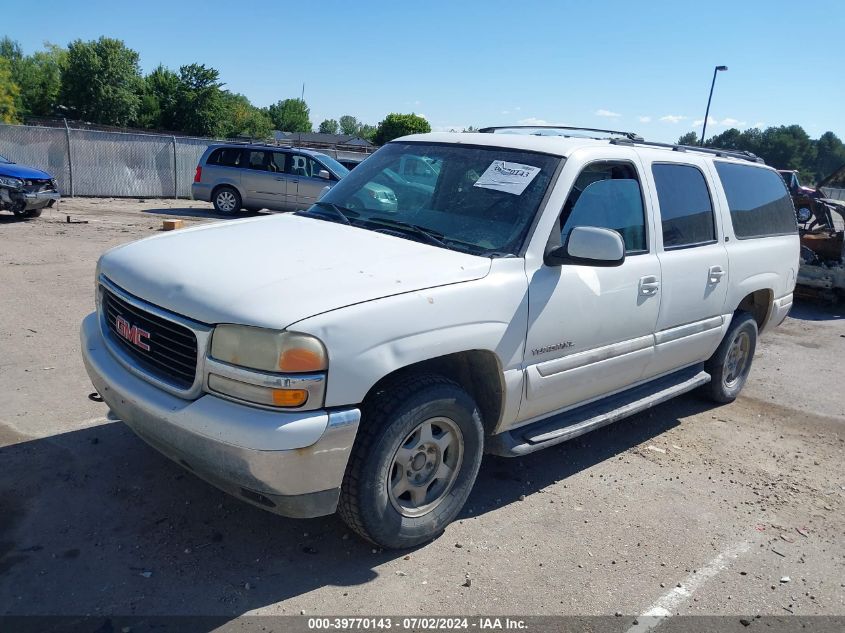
685,207
225,157
758,200
607,195
278,162
304,166
256,159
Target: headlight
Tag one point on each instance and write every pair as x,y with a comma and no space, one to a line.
268,350
8,181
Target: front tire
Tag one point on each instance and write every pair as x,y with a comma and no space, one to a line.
414,462
227,201
730,364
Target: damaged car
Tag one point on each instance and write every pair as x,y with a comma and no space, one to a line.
26,191
821,224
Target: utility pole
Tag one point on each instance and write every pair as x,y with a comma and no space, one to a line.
707,113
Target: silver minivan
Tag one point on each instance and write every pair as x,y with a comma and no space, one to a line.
237,176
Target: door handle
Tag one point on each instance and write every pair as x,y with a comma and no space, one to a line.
715,274
649,285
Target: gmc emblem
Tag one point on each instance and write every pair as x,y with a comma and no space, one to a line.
132,333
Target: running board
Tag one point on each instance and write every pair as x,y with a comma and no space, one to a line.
570,424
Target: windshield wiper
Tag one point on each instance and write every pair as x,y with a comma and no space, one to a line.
342,213
413,229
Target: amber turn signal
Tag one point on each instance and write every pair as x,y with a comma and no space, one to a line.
289,397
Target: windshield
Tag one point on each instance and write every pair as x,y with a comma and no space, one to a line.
339,170
480,200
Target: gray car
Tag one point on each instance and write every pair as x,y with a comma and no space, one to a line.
253,177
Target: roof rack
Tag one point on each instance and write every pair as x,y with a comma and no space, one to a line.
629,135
716,151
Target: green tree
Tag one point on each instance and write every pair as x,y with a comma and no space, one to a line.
329,126
690,138
101,81
349,125
9,93
830,155
40,79
159,100
244,119
290,115
396,125
199,107
367,131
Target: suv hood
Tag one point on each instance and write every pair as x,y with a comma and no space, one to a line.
22,171
274,271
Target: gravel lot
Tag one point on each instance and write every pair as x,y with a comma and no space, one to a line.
690,508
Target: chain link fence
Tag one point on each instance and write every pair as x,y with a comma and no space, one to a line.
109,164
88,162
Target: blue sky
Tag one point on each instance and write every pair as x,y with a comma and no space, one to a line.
641,66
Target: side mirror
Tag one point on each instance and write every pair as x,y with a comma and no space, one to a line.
324,174
589,246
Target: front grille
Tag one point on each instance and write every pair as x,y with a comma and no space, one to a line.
36,185
172,354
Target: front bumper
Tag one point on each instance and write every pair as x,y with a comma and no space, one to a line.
229,444
40,199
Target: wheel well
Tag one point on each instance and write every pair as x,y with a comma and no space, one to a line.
476,371
758,304
220,186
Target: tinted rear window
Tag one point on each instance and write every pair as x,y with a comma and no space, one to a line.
225,156
685,209
759,202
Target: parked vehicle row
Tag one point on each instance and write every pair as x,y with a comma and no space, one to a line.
455,294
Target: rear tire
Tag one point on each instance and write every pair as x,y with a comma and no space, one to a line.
414,462
227,201
730,364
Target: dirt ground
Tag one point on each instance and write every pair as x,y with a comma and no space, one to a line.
689,508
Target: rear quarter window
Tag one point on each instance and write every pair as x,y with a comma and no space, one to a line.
225,156
758,200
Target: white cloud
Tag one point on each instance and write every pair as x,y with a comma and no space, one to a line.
726,122
673,118
506,111
532,121
606,113
645,119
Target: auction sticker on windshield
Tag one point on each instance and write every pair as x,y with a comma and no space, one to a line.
508,177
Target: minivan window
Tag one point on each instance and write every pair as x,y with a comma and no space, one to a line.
225,157
278,162
686,211
758,200
607,195
256,159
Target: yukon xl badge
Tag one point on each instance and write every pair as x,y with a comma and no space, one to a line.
132,333
552,348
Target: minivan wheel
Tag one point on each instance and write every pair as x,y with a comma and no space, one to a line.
227,201
414,462
730,364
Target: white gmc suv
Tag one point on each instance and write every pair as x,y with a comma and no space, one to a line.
358,359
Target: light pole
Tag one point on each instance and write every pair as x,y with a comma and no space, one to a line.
707,114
